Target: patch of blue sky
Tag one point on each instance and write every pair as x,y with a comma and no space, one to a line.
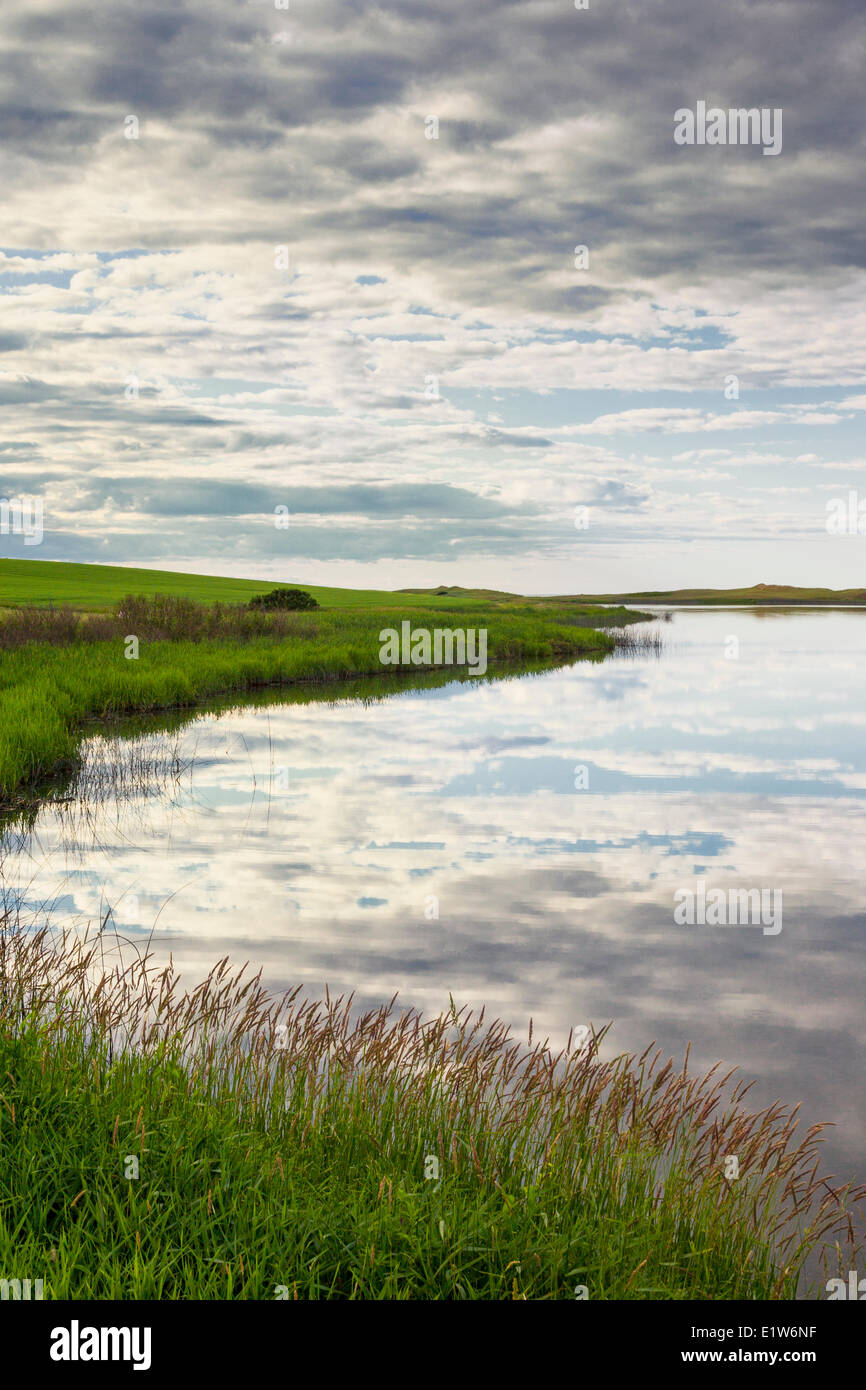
429,313
16,279
30,253
133,253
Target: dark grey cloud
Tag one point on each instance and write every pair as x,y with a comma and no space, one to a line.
20,392
217,70
518,441
176,497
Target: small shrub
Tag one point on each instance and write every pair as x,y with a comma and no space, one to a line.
294,599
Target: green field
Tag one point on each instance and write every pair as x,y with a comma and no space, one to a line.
96,588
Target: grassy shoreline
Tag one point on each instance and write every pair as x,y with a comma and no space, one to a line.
221,1144
48,691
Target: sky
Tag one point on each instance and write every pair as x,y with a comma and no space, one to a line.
294,292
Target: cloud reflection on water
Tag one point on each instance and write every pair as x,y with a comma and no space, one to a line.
308,837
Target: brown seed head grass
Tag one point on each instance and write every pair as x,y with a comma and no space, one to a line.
608,1136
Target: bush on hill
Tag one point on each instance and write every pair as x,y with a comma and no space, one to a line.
293,599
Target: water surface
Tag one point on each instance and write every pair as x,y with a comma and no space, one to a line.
518,844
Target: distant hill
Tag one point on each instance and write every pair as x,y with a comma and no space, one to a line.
455,591
756,595
91,588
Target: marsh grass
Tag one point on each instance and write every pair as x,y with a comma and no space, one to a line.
643,642
282,1144
110,796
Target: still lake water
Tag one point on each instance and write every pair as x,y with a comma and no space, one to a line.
317,841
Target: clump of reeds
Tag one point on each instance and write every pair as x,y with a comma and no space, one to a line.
293,1144
115,784
135,767
638,642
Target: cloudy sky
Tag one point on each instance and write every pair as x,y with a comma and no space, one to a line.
238,274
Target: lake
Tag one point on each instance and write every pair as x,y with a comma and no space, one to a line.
519,844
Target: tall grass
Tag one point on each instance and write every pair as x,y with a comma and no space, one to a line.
288,1147
154,618
640,643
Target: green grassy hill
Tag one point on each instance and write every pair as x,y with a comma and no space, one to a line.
96,588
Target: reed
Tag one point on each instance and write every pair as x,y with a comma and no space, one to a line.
289,1147
644,642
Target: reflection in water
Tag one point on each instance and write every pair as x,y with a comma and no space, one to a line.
519,844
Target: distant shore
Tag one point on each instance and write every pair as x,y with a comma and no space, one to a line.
757,596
